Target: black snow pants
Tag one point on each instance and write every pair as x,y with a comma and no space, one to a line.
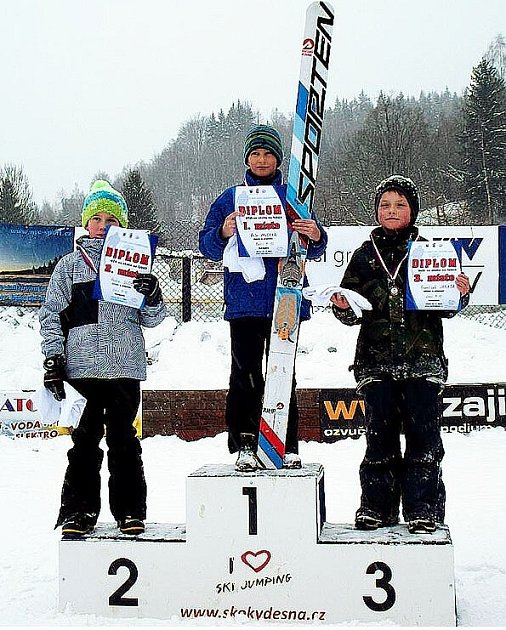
249,337
386,476
112,404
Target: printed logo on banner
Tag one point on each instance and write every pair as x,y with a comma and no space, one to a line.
463,408
342,414
468,408
19,418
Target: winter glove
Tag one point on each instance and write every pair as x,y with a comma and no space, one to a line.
148,285
55,375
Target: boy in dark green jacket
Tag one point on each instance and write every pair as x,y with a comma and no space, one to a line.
400,367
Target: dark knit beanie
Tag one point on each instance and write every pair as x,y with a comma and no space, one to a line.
263,137
402,185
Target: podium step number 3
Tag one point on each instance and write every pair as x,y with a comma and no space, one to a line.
257,548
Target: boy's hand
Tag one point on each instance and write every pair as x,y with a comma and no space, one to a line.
148,285
308,227
340,301
55,375
229,226
463,284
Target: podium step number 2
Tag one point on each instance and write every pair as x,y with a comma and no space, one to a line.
257,548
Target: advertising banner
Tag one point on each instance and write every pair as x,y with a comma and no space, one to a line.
464,408
20,417
481,250
28,255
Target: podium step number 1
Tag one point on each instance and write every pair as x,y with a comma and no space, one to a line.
257,548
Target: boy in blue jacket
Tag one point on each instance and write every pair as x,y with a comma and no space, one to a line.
249,305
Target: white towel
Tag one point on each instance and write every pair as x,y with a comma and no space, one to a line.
251,268
320,296
64,413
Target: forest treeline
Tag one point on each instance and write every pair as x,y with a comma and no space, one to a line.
453,146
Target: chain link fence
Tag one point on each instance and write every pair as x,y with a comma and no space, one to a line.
192,289
192,286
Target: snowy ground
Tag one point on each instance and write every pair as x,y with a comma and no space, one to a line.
196,355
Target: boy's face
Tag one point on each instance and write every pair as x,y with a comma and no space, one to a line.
98,222
394,212
262,163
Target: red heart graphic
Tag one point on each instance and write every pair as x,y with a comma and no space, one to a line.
256,560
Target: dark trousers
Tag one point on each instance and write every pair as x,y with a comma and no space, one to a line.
249,338
386,475
112,404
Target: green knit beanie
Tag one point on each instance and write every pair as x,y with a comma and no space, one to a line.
104,198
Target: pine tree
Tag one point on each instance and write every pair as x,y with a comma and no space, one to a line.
70,207
16,204
496,54
142,213
484,143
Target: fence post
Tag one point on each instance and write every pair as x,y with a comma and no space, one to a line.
187,289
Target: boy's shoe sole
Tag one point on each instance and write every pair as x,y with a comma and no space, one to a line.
71,531
132,526
421,526
368,523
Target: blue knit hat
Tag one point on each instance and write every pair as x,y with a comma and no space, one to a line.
263,137
104,198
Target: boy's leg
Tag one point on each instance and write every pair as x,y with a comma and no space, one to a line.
127,484
380,468
248,337
423,491
81,485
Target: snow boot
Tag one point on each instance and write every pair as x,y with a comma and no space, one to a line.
131,526
247,460
421,526
367,520
292,460
78,525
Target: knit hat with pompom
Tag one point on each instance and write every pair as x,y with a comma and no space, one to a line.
104,198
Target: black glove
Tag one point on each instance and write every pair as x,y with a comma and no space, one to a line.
55,375
148,285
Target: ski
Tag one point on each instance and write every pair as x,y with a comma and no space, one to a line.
302,169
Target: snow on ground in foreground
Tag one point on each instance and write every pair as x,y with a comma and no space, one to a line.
196,356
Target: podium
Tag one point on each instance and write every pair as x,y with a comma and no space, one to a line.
256,548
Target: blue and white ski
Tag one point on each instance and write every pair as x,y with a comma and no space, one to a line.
302,169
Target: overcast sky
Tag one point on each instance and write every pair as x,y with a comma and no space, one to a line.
95,85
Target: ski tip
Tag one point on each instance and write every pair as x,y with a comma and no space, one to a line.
326,6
